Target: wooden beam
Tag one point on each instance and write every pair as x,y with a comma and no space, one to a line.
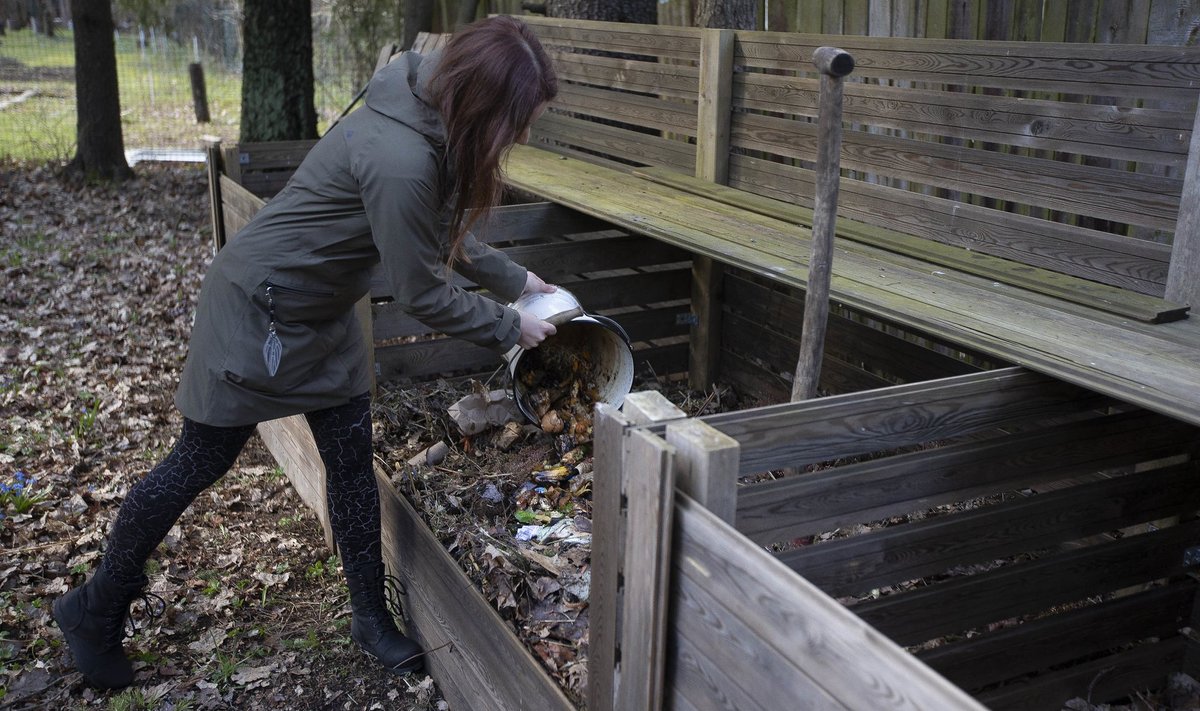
1183,276
608,540
1035,645
712,164
787,619
212,152
649,493
706,465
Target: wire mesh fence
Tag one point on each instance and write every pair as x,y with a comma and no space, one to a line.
159,112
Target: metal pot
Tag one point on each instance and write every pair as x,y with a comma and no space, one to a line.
600,337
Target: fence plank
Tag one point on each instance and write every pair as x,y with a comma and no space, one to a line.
852,662
869,491
895,554
649,490
966,602
1036,645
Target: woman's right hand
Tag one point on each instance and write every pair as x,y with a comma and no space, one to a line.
533,331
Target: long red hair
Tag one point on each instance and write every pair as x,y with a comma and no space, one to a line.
492,78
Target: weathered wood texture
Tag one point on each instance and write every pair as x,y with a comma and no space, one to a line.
473,652
945,140
971,502
1149,365
751,634
928,117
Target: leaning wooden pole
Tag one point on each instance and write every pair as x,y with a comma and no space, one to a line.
833,64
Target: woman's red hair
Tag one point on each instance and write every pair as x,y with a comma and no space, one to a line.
492,78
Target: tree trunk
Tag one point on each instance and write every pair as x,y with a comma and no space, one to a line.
642,11
277,71
418,18
466,12
730,14
100,152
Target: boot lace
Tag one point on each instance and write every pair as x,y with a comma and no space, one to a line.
153,607
393,594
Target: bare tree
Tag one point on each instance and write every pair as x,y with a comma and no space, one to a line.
100,150
731,14
277,71
418,18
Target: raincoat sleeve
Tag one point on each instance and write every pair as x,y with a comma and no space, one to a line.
491,269
400,196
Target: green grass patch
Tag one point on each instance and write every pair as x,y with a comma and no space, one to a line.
156,96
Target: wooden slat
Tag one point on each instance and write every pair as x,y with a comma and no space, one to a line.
1078,189
608,546
238,205
899,416
1025,276
212,152
617,37
1183,279
1153,135
479,663
533,221
967,602
1109,678
649,482
1073,68
1040,644
706,464
665,115
780,313
615,142
873,490
674,80
1128,263
291,443
786,616
896,554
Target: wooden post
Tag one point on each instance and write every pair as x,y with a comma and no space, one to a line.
712,163
199,93
1183,275
212,153
834,64
650,493
706,465
608,537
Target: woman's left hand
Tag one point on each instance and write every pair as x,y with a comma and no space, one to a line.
534,284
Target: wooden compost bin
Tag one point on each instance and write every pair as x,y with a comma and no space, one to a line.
643,284
1049,557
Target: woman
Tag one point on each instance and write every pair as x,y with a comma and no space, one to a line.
275,331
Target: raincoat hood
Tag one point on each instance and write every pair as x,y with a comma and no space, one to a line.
401,92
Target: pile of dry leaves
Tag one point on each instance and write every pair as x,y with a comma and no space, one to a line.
99,288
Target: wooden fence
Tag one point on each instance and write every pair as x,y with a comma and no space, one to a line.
1015,532
1092,21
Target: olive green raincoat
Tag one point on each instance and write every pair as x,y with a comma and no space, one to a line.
282,292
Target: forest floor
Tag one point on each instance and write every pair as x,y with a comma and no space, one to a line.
100,284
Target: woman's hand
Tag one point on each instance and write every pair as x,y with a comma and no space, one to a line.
534,284
533,330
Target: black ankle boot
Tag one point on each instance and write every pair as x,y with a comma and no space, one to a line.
372,626
92,618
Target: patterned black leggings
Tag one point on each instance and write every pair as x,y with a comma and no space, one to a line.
203,454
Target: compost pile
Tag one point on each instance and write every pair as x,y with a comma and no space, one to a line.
514,511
